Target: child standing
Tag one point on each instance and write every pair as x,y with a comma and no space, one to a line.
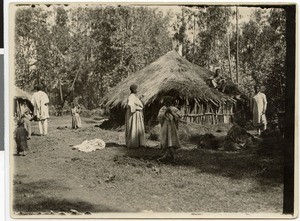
21,135
76,120
168,117
27,117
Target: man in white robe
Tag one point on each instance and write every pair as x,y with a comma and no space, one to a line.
134,120
258,108
40,102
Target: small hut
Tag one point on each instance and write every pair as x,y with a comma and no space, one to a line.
173,75
21,97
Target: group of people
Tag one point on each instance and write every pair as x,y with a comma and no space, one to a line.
22,133
168,117
258,103
40,102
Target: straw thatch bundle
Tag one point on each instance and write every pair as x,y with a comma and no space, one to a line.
170,74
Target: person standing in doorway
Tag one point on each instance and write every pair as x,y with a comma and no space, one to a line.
40,102
258,108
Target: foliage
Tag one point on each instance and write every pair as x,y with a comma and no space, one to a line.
262,56
81,52
262,47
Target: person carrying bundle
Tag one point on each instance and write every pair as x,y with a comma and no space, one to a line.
168,117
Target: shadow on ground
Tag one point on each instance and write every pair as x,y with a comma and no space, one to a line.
113,144
263,162
37,197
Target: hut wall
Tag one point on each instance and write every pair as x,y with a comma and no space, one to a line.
242,112
199,112
207,113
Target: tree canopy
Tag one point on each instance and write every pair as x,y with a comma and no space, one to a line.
81,52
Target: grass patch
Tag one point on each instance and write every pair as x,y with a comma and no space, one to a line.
55,177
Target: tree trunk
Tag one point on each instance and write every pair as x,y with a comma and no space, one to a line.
180,49
237,45
194,30
60,92
70,90
228,54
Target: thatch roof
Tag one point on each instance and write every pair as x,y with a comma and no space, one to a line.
19,93
171,72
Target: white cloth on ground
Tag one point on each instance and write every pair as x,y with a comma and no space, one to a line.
90,145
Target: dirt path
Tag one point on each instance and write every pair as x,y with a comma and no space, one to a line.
55,177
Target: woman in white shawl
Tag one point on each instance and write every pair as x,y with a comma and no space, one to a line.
134,122
168,117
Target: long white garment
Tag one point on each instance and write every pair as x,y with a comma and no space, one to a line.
43,127
259,107
134,122
76,120
40,102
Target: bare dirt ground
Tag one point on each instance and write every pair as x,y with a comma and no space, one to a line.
54,177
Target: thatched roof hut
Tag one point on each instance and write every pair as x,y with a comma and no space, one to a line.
173,75
20,97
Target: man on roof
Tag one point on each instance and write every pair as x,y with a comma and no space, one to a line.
218,82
